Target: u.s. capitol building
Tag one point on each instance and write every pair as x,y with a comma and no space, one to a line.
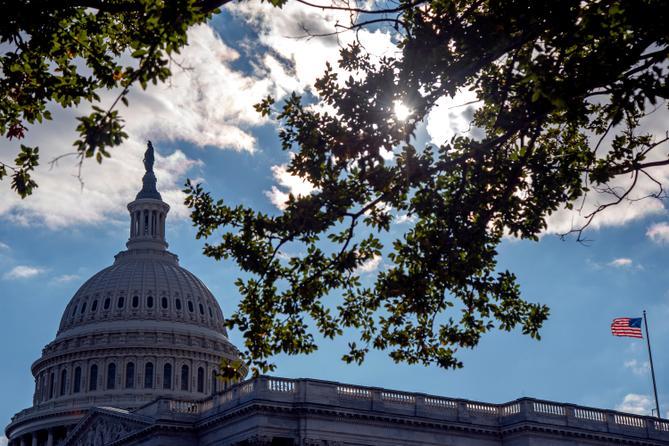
134,362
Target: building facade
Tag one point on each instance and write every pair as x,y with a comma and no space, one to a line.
135,358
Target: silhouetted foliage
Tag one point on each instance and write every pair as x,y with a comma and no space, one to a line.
562,87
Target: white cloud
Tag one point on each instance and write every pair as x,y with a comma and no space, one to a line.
60,201
451,116
64,278
637,367
298,60
636,404
370,265
565,220
622,262
208,103
295,185
659,233
4,247
3,441
23,272
627,211
404,218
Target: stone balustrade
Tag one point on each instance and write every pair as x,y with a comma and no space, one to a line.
391,402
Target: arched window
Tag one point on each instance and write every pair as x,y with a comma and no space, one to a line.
149,302
63,382
130,375
121,302
135,301
177,303
83,308
184,377
201,310
94,306
211,314
106,304
74,310
111,376
93,379
167,376
200,380
214,382
76,386
190,306
148,375
51,380
163,302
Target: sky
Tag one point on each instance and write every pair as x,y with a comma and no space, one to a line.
204,127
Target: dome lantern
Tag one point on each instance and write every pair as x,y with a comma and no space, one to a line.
148,212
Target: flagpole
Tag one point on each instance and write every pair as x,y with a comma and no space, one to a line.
652,369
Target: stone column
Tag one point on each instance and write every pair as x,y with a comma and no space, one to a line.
49,438
34,442
23,441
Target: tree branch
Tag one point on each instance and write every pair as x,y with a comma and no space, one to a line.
363,11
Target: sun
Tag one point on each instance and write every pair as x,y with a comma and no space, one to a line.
401,111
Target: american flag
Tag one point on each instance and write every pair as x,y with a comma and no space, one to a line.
627,326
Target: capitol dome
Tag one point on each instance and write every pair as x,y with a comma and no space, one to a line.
143,286
140,329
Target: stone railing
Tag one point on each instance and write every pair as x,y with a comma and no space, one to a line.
190,407
346,396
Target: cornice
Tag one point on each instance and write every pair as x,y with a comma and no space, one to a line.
574,432
347,414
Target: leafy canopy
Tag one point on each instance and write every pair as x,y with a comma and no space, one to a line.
561,86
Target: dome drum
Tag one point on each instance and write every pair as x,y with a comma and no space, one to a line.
130,377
